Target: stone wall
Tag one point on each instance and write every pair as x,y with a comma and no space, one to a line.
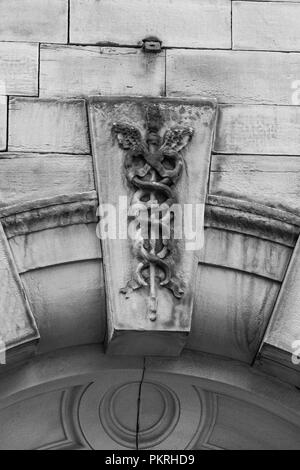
59,388
244,53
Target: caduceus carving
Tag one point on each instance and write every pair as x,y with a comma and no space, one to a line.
152,166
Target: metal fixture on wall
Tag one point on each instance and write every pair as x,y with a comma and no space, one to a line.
152,44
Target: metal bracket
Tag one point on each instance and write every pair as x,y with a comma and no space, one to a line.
152,44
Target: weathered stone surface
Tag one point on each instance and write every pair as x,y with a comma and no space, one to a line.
280,350
68,302
40,417
219,394
192,23
289,1
52,247
33,422
27,216
231,312
266,26
261,130
130,329
48,126
236,404
19,68
3,122
252,218
233,76
245,253
27,176
188,402
58,255
242,265
34,20
274,181
18,328
85,71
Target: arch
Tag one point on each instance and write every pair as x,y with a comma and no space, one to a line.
60,401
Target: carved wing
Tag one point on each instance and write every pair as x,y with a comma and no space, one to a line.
177,138
128,137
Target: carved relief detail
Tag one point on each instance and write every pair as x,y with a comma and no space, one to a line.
154,428
152,166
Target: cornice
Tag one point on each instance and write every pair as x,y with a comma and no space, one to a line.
253,219
49,213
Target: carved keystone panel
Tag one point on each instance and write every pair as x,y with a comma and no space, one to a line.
151,159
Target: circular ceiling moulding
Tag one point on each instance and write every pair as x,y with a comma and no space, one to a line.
158,415
108,416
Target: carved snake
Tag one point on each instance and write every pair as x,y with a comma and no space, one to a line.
151,153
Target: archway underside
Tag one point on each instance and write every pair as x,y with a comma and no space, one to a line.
79,398
212,397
